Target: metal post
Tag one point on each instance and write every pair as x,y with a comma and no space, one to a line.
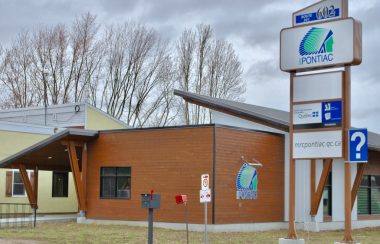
150,226
206,239
45,93
34,217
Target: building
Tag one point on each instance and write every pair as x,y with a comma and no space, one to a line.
111,169
21,128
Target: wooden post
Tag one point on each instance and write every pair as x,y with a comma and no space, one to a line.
358,179
292,234
84,174
28,186
347,166
327,165
312,184
35,183
76,174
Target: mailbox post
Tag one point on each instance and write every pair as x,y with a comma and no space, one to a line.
150,201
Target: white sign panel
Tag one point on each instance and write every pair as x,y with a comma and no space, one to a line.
205,196
321,144
205,181
310,113
317,87
321,45
321,11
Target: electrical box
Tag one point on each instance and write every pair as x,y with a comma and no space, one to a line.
150,200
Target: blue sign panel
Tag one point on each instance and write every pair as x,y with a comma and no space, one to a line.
332,113
358,145
319,15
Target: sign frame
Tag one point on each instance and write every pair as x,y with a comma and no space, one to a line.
356,47
343,5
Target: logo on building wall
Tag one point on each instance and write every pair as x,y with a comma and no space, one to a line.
317,46
246,182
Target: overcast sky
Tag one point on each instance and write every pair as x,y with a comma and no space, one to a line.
252,26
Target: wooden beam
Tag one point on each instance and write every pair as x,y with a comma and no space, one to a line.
84,174
76,174
312,181
35,183
327,164
76,143
28,186
358,180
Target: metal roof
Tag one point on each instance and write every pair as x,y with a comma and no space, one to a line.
71,133
263,115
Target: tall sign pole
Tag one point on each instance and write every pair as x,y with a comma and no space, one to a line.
322,37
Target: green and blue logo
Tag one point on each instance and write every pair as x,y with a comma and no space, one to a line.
246,182
317,46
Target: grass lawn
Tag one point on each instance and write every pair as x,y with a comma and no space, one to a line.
91,233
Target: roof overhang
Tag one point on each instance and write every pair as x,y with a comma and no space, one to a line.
232,110
51,153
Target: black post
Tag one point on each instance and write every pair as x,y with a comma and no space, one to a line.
45,93
150,226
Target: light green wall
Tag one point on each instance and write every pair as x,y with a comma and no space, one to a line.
13,142
46,203
96,120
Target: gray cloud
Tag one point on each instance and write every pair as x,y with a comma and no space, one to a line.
252,26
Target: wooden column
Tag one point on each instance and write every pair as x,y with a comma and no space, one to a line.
76,173
28,186
292,234
347,166
84,174
312,184
358,179
35,183
327,165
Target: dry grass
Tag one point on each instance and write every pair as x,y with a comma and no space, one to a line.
91,233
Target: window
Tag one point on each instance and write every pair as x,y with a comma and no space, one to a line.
60,184
18,188
327,198
115,182
369,195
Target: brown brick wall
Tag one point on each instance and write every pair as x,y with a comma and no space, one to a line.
170,161
373,165
268,149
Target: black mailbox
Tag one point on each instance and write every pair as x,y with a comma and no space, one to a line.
150,200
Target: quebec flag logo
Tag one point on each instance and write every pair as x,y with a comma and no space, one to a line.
317,46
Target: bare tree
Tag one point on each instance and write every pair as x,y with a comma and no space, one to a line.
207,66
15,74
136,63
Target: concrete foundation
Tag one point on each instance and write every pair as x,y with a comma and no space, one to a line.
291,241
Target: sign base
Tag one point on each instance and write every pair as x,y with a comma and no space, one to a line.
291,241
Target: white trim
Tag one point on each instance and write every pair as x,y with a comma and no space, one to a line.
28,128
13,179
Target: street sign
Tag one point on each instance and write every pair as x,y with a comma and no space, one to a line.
205,181
317,115
318,12
320,144
358,145
205,196
328,44
315,87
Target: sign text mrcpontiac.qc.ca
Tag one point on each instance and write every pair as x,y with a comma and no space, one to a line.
328,44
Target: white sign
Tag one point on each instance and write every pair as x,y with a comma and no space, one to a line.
334,43
205,195
205,181
310,113
323,86
318,12
321,144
